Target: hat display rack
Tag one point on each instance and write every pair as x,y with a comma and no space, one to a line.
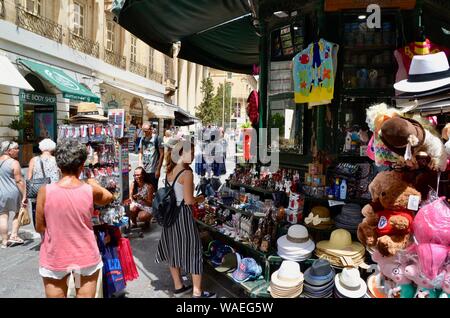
103,161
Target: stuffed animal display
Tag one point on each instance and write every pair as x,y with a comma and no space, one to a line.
387,221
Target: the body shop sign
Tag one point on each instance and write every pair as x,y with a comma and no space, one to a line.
37,98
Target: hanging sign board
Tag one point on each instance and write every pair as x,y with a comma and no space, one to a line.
336,5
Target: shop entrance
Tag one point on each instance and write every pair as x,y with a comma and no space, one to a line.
38,110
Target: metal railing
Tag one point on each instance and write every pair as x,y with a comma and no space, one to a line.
155,76
138,69
2,8
115,59
83,44
38,24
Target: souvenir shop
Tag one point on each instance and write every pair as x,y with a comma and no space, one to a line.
362,182
107,163
360,96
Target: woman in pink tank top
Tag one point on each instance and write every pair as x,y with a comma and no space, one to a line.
63,215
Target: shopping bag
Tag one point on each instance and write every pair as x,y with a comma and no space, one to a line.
126,260
24,217
113,279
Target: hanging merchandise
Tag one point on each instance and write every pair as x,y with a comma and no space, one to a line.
314,73
405,55
253,107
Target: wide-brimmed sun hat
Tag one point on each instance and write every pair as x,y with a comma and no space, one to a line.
87,111
319,218
341,243
427,72
350,284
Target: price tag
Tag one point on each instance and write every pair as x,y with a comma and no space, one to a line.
413,202
334,203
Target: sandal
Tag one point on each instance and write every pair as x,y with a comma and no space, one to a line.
15,240
4,245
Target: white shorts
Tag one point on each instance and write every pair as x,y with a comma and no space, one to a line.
87,271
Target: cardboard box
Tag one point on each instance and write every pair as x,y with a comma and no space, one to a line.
315,169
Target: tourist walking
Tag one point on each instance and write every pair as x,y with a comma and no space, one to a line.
64,216
180,245
12,192
151,154
43,166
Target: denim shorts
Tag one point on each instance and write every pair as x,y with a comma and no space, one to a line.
87,271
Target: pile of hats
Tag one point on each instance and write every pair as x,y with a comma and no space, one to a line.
287,281
295,245
349,284
319,280
374,283
319,218
340,251
247,269
349,218
223,257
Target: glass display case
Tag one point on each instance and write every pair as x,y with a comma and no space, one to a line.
287,116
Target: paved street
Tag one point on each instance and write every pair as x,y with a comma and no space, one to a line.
19,275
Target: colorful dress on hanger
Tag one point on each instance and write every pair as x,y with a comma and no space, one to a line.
313,73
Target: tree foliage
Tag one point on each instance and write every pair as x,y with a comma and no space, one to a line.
208,110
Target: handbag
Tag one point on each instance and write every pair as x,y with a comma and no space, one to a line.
24,217
34,185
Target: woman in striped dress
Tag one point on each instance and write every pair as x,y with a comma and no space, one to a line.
180,245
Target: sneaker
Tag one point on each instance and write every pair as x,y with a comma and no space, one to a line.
182,291
206,294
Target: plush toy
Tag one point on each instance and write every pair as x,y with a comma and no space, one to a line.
406,137
446,284
387,220
446,136
425,286
392,268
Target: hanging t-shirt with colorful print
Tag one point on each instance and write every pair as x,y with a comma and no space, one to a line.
314,73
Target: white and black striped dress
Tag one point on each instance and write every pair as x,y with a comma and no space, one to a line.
180,244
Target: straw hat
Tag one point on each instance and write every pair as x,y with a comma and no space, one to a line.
88,111
319,218
288,275
349,283
340,243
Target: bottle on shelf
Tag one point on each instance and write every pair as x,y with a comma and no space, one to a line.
337,189
343,190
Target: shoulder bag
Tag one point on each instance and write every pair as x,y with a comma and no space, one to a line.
34,185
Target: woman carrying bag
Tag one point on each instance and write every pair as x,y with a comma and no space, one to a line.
43,168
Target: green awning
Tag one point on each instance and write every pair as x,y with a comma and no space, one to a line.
215,33
70,88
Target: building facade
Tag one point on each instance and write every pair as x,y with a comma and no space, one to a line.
241,87
79,41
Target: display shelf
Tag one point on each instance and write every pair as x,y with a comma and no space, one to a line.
231,241
367,92
370,66
237,210
255,189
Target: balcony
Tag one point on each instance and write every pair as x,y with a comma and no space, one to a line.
138,69
171,86
38,24
155,76
84,45
115,59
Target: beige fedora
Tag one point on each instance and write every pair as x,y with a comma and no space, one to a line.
340,243
288,275
87,111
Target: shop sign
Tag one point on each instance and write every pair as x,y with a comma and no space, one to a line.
37,98
336,5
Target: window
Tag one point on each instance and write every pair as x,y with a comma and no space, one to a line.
167,67
229,75
110,36
34,6
133,49
78,19
151,54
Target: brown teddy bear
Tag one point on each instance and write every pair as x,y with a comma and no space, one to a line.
387,219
